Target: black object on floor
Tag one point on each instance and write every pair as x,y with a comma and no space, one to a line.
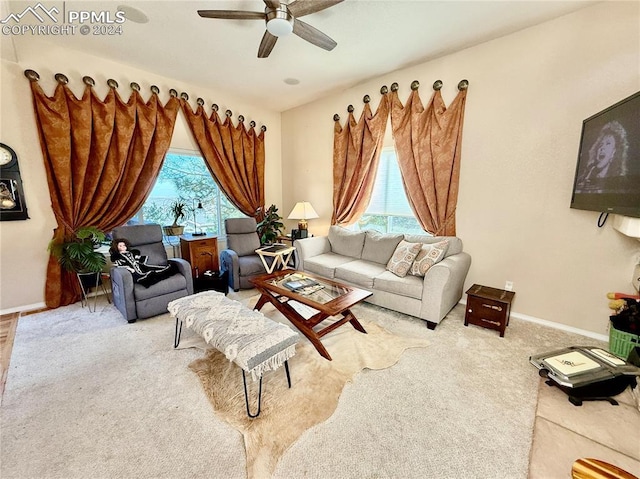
586,373
212,281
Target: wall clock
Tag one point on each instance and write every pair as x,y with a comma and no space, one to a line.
12,204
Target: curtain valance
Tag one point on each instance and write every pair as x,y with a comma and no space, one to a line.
101,158
234,155
428,146
356,153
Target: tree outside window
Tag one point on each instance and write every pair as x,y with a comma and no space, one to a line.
185,177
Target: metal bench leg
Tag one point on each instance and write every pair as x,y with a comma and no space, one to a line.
286,370
176,337
246,396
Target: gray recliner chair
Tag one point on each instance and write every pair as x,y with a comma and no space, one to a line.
240,258
135,301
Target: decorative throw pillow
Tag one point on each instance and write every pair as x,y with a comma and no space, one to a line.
429,255
403,256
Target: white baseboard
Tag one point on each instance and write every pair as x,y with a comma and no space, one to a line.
24,308
551,324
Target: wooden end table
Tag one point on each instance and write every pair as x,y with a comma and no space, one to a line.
488,307
307,309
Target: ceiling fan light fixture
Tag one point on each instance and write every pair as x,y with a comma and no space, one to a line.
279,23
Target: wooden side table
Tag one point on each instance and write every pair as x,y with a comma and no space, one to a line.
201,252
488,307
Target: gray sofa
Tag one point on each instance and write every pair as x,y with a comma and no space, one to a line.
360,259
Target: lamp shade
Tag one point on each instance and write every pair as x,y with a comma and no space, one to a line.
303,211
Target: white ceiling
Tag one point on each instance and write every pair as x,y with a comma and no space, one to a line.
374,37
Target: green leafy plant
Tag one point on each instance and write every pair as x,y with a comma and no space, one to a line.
271,226
79,252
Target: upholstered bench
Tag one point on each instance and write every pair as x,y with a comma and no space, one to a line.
247,337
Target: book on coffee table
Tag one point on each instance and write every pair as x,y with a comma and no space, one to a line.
299,284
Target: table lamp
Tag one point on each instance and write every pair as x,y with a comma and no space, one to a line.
195,224
303,211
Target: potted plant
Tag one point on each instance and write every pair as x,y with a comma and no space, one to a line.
178,211
79,254
271,226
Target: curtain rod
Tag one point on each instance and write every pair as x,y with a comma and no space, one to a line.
33,76
415,84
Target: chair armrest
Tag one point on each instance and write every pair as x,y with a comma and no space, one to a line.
229,262
185,269
122,292
310,247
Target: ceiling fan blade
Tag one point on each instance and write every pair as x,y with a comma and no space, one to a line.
266,45
231,14
299,8
272,3
313,35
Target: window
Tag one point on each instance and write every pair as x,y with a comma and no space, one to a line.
389,210
185,177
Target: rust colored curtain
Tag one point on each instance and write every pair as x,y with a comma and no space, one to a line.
356,154
428,145
102,158
234,156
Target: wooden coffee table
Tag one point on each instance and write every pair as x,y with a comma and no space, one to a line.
307,307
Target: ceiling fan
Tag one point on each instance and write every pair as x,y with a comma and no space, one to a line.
281,20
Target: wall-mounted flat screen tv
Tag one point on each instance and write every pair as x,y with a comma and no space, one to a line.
608,171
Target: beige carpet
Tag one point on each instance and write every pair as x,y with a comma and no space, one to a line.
89,395
316,387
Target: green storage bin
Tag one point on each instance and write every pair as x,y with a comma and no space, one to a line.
621,343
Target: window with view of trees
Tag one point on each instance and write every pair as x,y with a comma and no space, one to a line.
184,177
389,210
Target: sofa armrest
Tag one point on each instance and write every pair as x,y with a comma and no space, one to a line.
229,262
122,292
310,247
184,267
443,285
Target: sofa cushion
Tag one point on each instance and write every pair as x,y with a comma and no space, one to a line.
403,256
429,255
379,247
359,272
455,243
346,242
409,286
325,264
174,283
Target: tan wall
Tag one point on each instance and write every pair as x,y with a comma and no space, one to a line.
529,93
23,244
